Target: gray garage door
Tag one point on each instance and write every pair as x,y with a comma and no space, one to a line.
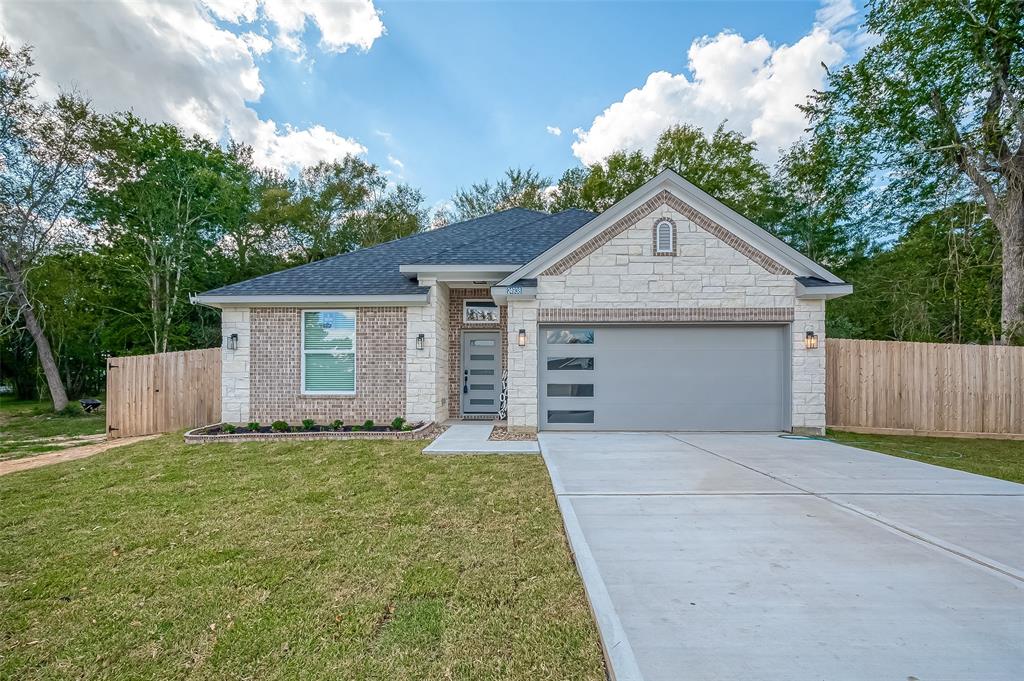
721,377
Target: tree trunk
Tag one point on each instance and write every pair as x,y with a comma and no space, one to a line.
1012,231
35,329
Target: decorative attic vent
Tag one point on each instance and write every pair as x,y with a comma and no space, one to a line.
664,237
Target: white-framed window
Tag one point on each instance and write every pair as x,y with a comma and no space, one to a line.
480,312
664,237
329,352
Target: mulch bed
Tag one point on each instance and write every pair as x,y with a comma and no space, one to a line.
217,433
503,433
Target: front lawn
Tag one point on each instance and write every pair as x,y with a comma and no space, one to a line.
294,560
28,428
994,458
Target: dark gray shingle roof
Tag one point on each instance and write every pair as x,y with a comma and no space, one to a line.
512,237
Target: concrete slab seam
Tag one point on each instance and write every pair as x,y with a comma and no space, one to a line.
908,532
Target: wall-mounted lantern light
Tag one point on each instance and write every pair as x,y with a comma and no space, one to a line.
233,341
811,340
419,341
522,338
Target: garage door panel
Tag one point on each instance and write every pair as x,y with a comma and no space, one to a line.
667,378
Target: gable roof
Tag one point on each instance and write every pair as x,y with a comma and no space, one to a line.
512,237
710,213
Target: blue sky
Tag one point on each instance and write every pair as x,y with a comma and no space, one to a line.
464,90
442,94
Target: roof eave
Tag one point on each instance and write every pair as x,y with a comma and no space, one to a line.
266,300
823,292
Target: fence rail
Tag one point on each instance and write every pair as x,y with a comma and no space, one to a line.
161,393
925,388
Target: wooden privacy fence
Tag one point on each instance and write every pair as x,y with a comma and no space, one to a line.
160,393
926,388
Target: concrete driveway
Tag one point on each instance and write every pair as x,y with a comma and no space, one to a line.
747,557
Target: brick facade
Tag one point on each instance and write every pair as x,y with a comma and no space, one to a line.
275,369
456,302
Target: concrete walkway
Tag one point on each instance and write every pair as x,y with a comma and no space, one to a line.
749,556
471,438
69,454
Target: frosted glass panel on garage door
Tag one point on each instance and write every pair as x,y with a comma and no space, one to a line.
725,377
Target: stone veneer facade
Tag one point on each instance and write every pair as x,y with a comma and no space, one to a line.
234,367
427,370
617,278
275,369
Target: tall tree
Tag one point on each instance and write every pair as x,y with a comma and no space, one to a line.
823,211
159,201
937,104
722,164
343,205
517,189
44,165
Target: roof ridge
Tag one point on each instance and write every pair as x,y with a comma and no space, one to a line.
543,216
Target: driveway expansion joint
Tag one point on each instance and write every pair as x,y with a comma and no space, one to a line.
910,532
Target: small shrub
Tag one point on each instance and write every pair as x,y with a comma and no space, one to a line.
356,428
72,410
337,424
368,424
228,428
254,426
279,427
308,424
398,423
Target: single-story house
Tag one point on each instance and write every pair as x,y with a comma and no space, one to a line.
668,311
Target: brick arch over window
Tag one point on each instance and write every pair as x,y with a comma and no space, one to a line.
644,210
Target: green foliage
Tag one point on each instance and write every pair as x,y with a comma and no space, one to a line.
228,428
518,188
337,424
253,426
339,206
368,424
934,107
308,424
280,426
72,410
398,423
937,283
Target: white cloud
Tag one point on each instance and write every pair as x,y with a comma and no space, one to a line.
554,130
354,23
755,85
170,61
396,162
258,45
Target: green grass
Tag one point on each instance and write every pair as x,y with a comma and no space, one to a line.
297,560
27,428
994,458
